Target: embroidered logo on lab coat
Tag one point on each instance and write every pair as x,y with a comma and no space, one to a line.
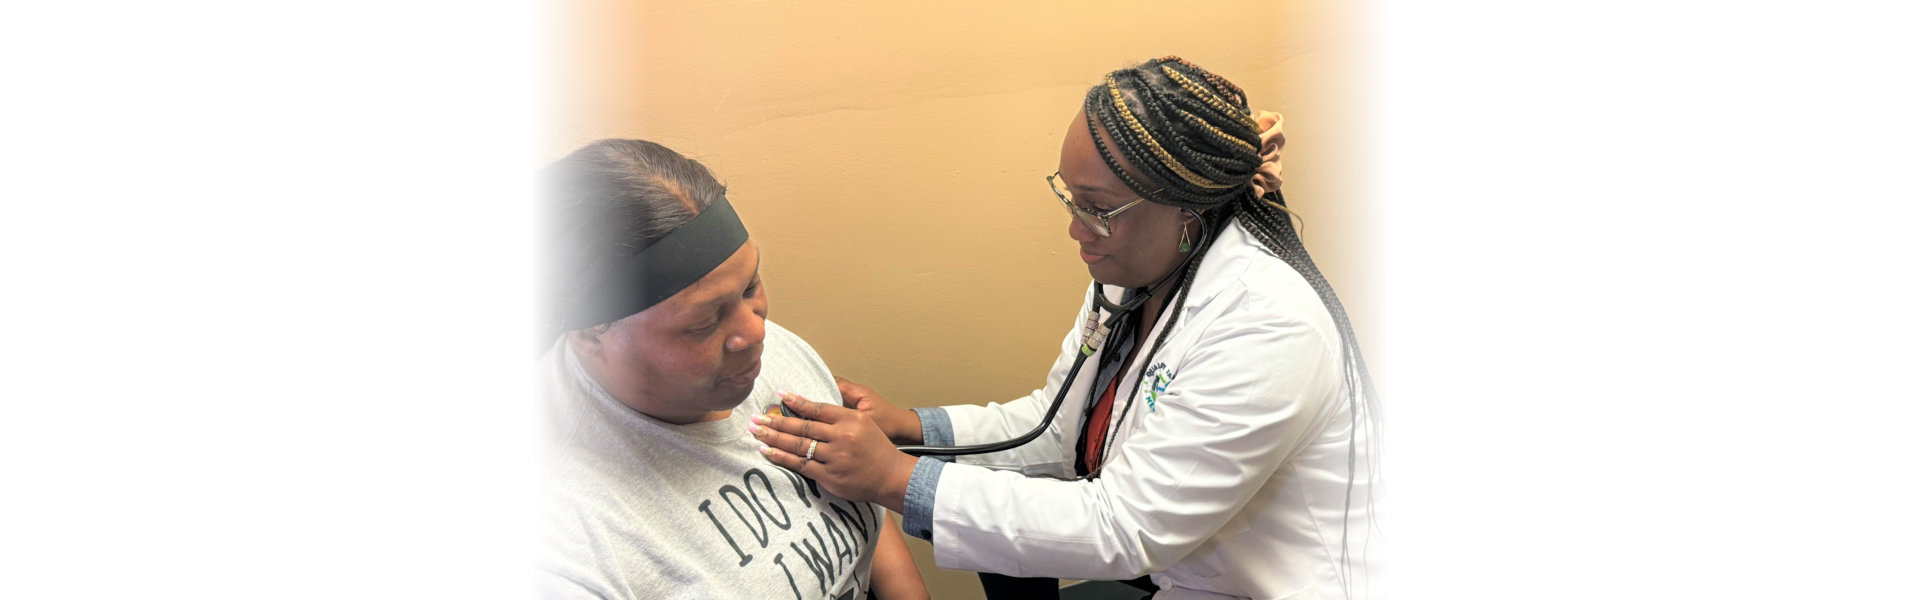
1154,383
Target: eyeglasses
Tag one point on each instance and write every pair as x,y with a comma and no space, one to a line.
1100,223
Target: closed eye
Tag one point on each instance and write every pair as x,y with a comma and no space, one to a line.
1094,208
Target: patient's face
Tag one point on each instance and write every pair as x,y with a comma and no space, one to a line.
692,357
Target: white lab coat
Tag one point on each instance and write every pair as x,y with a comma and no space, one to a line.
1231,482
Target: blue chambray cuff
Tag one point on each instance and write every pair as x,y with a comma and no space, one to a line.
936,429
918,520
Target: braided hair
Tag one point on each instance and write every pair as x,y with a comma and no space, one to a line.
1192,136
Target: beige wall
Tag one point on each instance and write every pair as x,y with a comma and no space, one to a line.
888,157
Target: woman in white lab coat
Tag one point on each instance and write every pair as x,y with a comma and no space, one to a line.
1219,442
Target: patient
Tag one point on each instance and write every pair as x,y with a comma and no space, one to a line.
657,349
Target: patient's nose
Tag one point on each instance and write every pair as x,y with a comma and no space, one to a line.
749,335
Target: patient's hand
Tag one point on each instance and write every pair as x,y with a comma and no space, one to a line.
901,425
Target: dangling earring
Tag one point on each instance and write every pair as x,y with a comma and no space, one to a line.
1184,244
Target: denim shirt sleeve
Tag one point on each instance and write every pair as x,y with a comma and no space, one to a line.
936,429
918,520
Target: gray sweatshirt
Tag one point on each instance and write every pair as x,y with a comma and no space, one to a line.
634,507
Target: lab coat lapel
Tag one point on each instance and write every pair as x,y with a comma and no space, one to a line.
1207,284
1120,429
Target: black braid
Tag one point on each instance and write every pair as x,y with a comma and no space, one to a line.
1194,159
1206,112
1101,109
1177,132
1098,113
1176,142
1274,229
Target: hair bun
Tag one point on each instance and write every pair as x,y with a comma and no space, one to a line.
1266,178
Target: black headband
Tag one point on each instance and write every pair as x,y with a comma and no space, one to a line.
671,264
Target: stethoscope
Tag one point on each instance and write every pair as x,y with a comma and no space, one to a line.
1090,342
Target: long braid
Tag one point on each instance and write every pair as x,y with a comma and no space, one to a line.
1190,135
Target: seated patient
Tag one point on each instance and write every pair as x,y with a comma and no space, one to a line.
660,349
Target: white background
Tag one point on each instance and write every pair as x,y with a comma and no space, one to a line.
1651,298
265,286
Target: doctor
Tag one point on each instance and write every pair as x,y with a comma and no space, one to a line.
1218,442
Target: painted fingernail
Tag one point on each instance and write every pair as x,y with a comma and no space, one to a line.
783,394
765,450
753,428
761,419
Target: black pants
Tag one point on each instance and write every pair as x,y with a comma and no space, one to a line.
1002,587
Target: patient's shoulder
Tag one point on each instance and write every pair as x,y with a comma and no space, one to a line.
789,363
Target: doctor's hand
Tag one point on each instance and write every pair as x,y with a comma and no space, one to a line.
852,459
901,425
